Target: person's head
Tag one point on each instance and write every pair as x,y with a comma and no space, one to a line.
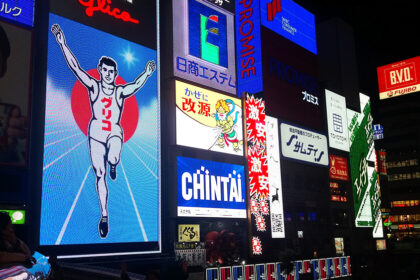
107,68
6,228
4,51
222,108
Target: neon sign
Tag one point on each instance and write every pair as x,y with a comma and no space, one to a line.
104,6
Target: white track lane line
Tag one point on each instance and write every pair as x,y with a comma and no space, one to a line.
66,222
131,149
61,140
135,205
63,155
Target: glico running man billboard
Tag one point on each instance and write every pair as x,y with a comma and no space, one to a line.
204,50
101,146
208,120
210,189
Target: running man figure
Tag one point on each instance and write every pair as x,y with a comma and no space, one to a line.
104,132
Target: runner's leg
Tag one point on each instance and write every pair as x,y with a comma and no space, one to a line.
97,155
114,147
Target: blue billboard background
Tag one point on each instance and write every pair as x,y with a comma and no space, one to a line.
18,11
70,208
292,22
214,169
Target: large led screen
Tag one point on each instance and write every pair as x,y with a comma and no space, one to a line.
210,189
204,50
15,85
291,21
399,78
101,164
208,120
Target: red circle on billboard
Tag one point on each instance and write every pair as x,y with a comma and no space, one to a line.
82,112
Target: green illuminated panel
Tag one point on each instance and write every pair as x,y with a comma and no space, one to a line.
209,51
17,216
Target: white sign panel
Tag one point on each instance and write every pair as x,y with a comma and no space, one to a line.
303,145
337,121
274,177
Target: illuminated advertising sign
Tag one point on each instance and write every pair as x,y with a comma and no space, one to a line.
17,216
378,132
303,145
249,272
322,269
237,272
260,273
210,189
382,162
330,268
259,187
203,51
274,178
212,273
271,271
344,266
248,47
291,21
380,244
399,78
338,168
290,81
225,273
337,267
188,233
15,86
315,269
339,245
362,167
20,12
208,120
225,4
338,137
101,142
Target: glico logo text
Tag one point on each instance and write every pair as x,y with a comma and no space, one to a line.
204,186
207,33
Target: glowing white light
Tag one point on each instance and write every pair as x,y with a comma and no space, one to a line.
128,56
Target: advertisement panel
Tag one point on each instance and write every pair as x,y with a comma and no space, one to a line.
274,178
188,233
291,21
378,132
15,86
303,145
102,138
382,162
210,189
208,120
225,4
338,168
259,185
203,51
290,81
338,136
248,47
399,78
16,11
362,167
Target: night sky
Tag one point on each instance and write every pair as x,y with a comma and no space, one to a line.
384,32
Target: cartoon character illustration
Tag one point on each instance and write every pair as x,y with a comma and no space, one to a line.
105,132
226,123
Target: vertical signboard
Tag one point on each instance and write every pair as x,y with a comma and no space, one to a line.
204,51
208,120
102,138
210,189
338,168
399,78
15,86
362,167
337,121
291,21
259,190
248,47
274,175
17,11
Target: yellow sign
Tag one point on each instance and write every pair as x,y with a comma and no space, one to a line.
188,233
208,120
